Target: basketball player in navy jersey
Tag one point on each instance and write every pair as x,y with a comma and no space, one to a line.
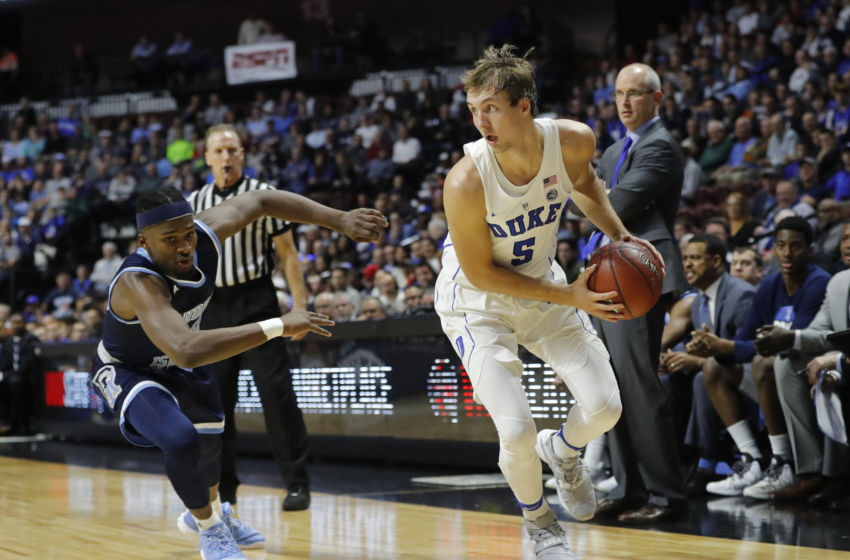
501,287
148,366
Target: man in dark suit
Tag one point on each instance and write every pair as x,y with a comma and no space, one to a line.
721,306
644,174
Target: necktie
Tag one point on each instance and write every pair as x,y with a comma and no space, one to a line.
16,353
705,313
596,236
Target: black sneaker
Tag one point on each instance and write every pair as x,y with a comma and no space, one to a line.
298,498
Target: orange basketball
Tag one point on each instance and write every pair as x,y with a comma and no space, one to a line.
631,270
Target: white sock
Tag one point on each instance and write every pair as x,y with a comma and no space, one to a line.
537,513
781,446
204,524
216,505
744,439
563,450
594,452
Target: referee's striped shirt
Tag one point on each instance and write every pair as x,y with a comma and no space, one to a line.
249,254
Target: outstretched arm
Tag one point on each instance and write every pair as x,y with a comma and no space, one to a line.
233,215
146,297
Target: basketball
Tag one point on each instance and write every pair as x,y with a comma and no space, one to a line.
630,269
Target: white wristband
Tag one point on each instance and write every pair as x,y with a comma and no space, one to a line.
272,328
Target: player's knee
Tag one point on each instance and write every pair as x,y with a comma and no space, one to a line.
184,446
609,414
517,437
210,448
711,373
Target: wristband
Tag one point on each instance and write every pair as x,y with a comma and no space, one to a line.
272,328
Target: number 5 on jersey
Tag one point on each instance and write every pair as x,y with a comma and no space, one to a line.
523,251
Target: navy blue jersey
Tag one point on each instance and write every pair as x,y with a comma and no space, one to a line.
125,341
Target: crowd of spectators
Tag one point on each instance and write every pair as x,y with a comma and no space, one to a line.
757,95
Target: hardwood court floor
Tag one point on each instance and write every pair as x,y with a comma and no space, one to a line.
55,510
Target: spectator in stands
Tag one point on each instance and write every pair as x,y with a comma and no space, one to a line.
809,188
747,265
180,149
178,60
839,184
270,34
82,71
8,73
324,303
13,148
150,179
340,282
33,144
736,169
380,170
82,285
343,308
407,151
371,309
828,157
764,200
828,236
61,301
121,187
105,268
216,111
386,289
296,173
145,62
781,147
250,29
742,225
716,152
19,370
567,256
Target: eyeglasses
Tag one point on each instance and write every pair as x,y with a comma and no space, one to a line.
631,94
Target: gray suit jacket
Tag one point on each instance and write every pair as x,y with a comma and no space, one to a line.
832,316
734,300
646,197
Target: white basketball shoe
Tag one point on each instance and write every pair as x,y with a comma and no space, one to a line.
572,478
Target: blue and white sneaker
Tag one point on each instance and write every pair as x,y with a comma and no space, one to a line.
244,535
217,544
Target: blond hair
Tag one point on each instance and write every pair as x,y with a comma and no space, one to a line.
502,70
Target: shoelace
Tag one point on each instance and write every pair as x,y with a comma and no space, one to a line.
774,471
553,530
739,467
219,539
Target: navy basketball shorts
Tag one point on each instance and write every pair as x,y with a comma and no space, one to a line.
194,392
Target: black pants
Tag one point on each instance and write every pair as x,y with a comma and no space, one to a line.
269,365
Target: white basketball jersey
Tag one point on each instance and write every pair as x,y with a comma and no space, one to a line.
523,220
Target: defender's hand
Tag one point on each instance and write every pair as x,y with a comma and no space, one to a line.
299,322
363,224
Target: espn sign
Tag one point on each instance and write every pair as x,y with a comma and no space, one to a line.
259,62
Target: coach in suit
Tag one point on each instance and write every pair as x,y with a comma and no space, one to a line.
814,455
644,174
721,306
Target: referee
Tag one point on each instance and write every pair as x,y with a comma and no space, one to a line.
245,293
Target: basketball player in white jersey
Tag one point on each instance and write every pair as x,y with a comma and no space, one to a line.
500,286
